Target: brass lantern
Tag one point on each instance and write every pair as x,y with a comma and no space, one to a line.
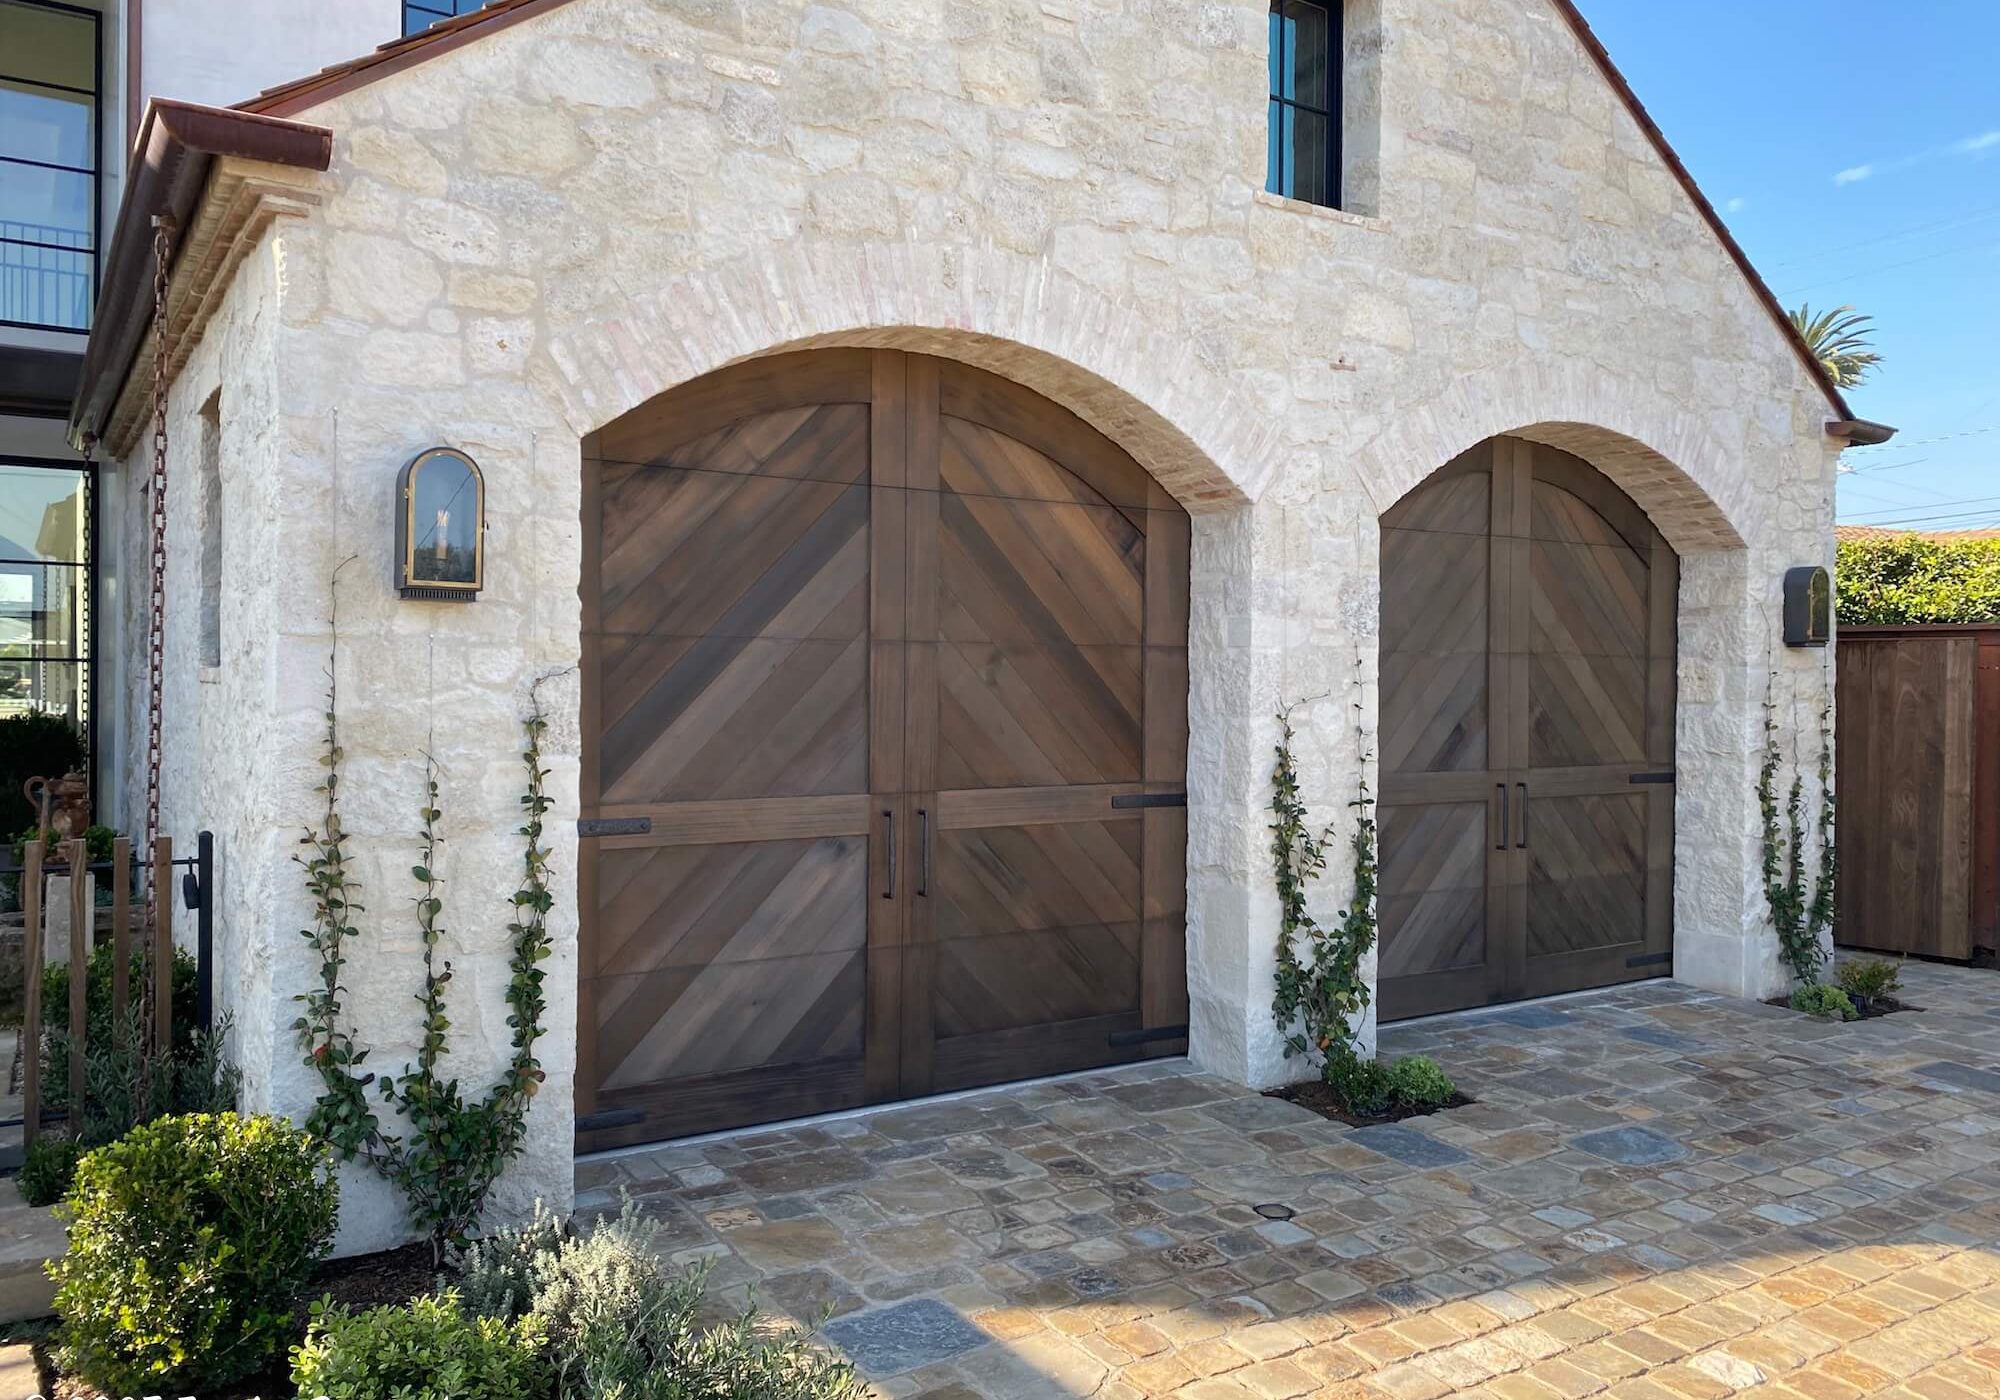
440,527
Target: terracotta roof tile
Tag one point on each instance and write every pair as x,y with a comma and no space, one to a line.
291,98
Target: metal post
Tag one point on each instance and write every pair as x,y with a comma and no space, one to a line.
204,930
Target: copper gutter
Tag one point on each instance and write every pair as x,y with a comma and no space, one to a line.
178,144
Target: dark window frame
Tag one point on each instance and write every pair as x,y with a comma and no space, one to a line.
419,15
87,472
1279,104
94,251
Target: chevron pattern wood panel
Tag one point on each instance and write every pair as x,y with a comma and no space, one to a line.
1586,874
1037,924
1433,893
733,613
1587,683
724,957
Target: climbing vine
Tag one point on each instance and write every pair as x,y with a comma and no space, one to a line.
1800,918
1320,989
455,1147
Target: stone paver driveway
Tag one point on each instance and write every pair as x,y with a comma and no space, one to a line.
1659,1193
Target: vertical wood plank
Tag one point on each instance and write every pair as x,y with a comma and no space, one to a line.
916,966
1984,921
80,913
121,932
1954,875
161,968
31,992
590,773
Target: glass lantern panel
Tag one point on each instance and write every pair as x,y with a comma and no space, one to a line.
444,522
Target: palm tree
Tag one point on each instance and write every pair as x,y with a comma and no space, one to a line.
1839,341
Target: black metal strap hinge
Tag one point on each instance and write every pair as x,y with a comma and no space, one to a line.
1650,960
614,826
1149,799
1665,775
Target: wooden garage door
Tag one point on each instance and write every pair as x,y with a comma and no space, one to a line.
885,699
1528,612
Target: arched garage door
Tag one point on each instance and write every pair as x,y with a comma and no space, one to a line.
1527,806
885,732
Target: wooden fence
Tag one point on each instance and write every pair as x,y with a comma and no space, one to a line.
75,860
1918,782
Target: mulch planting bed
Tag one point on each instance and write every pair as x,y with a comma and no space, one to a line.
366,1281
1314,1095
1870,1007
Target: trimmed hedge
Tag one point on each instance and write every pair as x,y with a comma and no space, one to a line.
190,1240
1898,579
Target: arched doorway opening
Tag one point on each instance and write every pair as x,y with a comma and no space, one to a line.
1527,723
885,744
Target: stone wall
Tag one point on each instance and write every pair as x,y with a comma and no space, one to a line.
524,238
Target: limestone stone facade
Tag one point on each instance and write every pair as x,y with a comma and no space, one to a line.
529,234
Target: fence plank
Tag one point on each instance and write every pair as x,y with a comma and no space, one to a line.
161,969
31,1010
121,932
81,913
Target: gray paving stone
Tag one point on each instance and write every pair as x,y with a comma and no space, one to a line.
889,1341
1408,1146
1632,1147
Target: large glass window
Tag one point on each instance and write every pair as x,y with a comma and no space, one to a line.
48,163
1302,148
45,591
419,15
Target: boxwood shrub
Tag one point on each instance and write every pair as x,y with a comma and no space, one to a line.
190,1242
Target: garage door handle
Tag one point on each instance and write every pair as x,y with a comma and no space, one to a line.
1522,844
889,838
1501,844
924,853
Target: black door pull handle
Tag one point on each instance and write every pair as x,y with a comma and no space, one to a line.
1501,844
1522,844
924,853
889,836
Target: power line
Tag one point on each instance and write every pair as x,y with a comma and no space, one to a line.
1891,267
1934,225
1962,501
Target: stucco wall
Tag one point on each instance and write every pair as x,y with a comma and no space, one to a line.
526,237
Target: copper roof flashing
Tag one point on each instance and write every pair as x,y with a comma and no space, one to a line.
177,145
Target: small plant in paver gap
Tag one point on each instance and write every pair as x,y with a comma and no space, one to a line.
1870,977
1825,1003
1798,918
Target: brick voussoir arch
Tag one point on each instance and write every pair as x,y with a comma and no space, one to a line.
1015,315
1668,460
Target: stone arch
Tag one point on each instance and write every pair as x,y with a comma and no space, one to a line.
1668,460
1201,438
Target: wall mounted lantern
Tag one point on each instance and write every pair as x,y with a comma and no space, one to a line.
1808,606
440,527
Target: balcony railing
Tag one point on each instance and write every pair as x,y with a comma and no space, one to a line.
46,276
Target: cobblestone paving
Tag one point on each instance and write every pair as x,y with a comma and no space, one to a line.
1658,1194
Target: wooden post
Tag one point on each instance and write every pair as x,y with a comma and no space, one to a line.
80,912
121,933
162,969
31,1011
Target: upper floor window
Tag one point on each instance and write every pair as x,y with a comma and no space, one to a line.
1302,150
419,15
49,74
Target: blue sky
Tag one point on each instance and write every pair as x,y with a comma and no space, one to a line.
1854,149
